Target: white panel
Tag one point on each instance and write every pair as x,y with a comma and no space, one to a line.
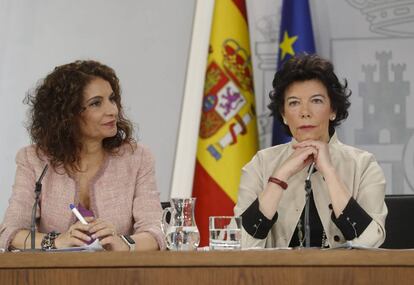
185,155
146,42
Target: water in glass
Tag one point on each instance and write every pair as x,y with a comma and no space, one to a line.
225,232
227,239
182,238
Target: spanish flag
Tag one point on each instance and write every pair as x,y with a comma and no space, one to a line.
228,131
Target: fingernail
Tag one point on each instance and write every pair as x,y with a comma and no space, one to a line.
94,236
89,238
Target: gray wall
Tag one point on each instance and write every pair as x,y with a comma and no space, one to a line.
146,42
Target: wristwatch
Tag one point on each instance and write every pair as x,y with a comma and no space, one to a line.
129,241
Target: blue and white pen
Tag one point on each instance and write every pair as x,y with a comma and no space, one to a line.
77,214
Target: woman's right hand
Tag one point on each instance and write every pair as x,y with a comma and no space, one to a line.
299,159
75,236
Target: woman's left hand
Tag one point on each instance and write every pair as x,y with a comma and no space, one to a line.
107,235
323,159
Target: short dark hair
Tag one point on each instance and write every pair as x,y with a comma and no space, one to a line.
310,67
55,106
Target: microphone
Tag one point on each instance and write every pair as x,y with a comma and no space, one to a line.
38,189
308,189
310,171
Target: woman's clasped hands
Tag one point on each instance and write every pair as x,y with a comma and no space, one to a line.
81,235
303,155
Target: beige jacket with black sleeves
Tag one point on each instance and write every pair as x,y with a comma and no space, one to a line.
360,173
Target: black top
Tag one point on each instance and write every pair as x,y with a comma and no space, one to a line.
315,225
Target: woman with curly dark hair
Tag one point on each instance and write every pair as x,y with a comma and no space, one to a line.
78,128
347,201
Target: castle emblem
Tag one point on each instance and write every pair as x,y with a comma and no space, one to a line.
384,107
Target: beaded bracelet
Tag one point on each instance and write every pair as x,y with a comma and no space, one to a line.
48,241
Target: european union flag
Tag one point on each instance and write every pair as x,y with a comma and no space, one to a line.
296,36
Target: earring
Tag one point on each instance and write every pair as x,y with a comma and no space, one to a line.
284,121
333,118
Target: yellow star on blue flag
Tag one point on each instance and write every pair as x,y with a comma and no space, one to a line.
286,46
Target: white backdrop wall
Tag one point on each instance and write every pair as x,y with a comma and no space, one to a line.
147,43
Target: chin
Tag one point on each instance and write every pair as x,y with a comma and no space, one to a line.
110,134
308,137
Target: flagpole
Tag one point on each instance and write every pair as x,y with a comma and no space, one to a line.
186,147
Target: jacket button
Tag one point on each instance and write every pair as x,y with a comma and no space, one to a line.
330,206
337,238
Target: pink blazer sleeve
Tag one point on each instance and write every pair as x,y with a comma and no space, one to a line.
18,213
146,206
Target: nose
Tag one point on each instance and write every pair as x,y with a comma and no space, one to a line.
304,111
111,108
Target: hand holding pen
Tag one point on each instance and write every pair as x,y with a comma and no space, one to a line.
77,233
99,229
77,214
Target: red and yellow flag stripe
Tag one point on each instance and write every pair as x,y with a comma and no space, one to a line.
228,129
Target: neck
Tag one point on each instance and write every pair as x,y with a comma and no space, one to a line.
91,148
325,139
92,153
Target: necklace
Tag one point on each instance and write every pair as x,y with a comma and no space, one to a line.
301,238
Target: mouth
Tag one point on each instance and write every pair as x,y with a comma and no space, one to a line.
306,127
110,124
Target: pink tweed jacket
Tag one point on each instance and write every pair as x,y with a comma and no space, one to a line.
123,192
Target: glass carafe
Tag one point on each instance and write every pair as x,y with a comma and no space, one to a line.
181,232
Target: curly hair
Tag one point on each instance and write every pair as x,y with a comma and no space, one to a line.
310,67
55,106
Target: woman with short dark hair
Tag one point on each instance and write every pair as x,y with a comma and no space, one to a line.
347,201
78,128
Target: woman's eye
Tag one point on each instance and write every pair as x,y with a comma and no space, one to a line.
95,104
293,103
317,100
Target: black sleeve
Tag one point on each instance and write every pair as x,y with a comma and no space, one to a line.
353,221
255,223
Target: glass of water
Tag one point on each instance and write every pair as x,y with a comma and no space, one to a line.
225,232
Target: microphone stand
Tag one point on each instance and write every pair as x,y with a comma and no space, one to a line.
38,189
308,190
